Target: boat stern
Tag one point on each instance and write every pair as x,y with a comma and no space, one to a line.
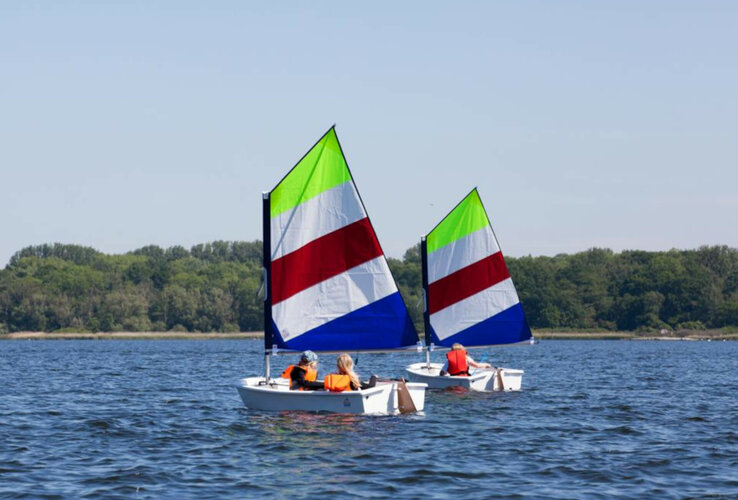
512,380
417,393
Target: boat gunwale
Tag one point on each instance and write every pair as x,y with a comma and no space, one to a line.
478,372
406,349
370,391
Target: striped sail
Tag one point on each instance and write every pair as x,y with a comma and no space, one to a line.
330,285
470,297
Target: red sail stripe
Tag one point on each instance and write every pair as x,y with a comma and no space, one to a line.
324,258
466,282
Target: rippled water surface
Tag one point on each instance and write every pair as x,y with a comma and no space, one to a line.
162,418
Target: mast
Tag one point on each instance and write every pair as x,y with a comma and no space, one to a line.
267,257
426,316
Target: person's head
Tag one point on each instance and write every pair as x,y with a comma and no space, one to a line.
345,364
308,358
457,347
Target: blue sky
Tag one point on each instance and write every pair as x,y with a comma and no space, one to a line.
583,124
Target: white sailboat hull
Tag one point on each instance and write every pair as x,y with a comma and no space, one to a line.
480,379
277,396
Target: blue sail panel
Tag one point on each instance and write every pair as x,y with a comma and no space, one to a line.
507,327
383,324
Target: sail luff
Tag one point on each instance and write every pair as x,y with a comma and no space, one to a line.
424,283
266,262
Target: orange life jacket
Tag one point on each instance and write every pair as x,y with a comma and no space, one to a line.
457,366
336,382
310,373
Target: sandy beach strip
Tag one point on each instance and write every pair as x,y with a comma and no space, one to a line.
624,335
702,335
130,336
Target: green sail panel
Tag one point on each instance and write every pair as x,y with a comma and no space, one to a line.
467,217
322,168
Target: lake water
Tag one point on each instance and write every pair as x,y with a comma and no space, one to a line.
150,419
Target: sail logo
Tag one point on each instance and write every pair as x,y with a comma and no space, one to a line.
346,402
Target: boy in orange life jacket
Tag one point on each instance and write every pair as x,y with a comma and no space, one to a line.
346,379
303,375
458,362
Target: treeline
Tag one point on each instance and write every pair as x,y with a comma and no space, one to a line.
213,287
210,287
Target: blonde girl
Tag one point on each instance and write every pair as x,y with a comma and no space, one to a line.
345,366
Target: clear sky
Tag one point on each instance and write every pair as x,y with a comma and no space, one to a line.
608,124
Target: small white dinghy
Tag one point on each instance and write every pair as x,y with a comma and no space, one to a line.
494,379
385,398
469,298
328,288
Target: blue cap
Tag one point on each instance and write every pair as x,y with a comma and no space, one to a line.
309,356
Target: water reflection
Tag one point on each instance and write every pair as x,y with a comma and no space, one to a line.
306,422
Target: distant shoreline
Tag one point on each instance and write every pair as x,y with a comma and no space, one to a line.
696,335
130,336
689,335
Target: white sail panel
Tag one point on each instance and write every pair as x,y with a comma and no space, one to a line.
461,253
329,211
333,298
474,309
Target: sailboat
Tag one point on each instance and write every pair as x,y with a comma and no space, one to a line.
328,288
469,298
